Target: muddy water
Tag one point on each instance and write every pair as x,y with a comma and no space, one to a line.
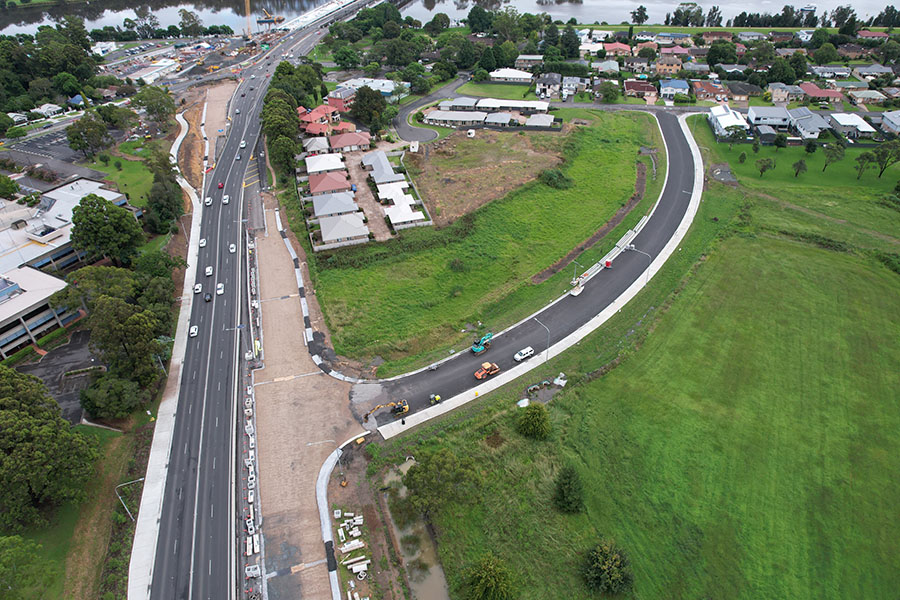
424,572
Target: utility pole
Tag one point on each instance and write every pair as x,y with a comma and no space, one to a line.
647,272
547,356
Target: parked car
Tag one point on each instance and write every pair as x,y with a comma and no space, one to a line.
523,354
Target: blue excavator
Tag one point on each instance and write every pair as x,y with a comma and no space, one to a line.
481,344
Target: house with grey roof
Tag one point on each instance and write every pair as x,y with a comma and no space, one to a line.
541,120
830,71
773,116
381,169
331,205
461,103
455,118
865,71
548,84
890,121
782,92
607,66
499,119
344,228
807,123
695,67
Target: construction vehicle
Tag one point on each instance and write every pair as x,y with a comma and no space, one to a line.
397,409
481,344
269,19
487,369
434,399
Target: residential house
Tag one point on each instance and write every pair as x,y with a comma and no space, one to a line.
891,92
830,71
607,66
350,142
866,97
527,61
318,120
780,37
678,51
617,49
804,35
328,183
381,169
523,106
851,125
740,49
751,36
817,94
698,52
620,35
652,45
548,84
668,38
48,110
711,36
865,34
460,103
315,145
642,89
890,121
740,91
542,120
455,118
588,49
341,99
331,205
851,51
325,163
574,85
848,86
645,36
636,64
400,205
668,88
668,65
343,228
783,93
789,52
709,90
388,88
773,116
511,76
722,117
17,118
499,119
867,71
731,68
807,123
696,68
766,134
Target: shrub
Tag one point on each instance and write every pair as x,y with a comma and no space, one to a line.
458,266
50,337
104,158
742,158
556,179
15,132
569,495
535,422
606,569
480,75
489,579
420,117
118,165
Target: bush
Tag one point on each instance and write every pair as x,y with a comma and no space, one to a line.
606,569
50,337
118,165
420,117
104,158
556,179
682,99
480,75
742,158
15,132
458,266
489,579
569,495
535,422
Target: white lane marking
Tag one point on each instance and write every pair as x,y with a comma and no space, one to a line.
185,447
211,506
214,462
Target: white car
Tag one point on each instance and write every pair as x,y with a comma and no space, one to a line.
194,331
243,144
220,289
198,288
237,112
232,248
523,354
225,199
238,157
208,201
253,77
209,271
203,242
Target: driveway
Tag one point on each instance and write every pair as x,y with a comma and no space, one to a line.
365,198
421,134
52,369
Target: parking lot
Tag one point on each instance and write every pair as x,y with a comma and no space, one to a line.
50,145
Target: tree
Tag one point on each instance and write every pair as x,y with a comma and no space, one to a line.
722,51
44,462
607,569
864,161
5,123
439,23
764,164
781,70
736,134
159,104
505,55
282,152
489,579
639,15
811,146
66,83
347,57
480,20
819,37
799,167
609,91
88,135
833,153
798,63
742,158
714,17
506,24
110,397
189,23
439,478
826,54
842,14
124,335
755,146
21,567
534,422
487,61
8,187
372,69
569,495
648,53
780,141
100,228
569,42
885,155
551,36
890,51
368,105
466,55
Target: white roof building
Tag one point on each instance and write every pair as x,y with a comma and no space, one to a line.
25,313
316,144
401,210
455,118
852,121
48,110
338,203
513,75
155,70
104,48
500,118
343,228
492,104
386,86
322,163
539,120
382,171
722,117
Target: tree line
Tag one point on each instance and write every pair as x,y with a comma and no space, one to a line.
145,26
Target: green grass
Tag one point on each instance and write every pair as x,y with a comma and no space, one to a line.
506,91
157,242
135,178
403,302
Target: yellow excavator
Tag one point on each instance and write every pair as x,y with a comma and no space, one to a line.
397,409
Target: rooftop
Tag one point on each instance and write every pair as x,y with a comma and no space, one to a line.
338,202
23,288
382,171
324,162
342,227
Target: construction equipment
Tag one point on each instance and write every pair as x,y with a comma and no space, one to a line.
434,399
487,369
397,409
481,344
269,19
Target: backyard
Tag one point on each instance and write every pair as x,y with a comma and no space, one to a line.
506,91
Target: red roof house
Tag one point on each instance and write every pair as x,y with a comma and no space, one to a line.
817,93
872,35
617,49
639,88
675,50
328,183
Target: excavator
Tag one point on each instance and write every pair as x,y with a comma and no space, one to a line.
397,409
482,344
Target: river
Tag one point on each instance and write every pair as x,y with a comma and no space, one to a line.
99,13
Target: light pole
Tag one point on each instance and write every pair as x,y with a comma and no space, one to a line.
576,265
647,272
548,338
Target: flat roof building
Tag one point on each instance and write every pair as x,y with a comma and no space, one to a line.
25,313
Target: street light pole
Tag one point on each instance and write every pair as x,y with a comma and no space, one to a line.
575,273
548,338
647,272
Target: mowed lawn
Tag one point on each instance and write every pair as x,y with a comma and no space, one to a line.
506,91
748,450
416,295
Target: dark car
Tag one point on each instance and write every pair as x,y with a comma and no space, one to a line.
207,297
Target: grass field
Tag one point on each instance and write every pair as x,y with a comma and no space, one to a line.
134,179
401,299
506,91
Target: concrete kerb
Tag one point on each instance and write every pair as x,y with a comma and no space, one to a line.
143,551
396,428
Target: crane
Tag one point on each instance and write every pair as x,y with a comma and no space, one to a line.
247,13
397,409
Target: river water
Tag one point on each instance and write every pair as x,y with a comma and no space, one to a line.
99,13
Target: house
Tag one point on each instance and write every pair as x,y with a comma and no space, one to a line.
341,99
17,118
782,92
617,49
667,37
740,91
669,87
679,51
328,183
652,45
740,49
711,36
76,101
851,125
527,61
867,71
608,66
891,92
807,123
780,37
865,34
645,36
817,94
331,205
460,103
350,142
320,115
387,87
668,65
804,35
548,84
698,52
343,228
315,145
751,36
848,86
511,76
830,71
766,134
731,68
866,97
621,35
890,121
722,117
574,85
789,52
588,49
400,209
636,64
641,89
851,51
539,121
709,90
523,106
773,116
324,163
381,169
500,119
696,68
455,118
48,110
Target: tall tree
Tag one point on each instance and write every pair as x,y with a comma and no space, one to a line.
834,152
88,135
110,397
551,35
101,228
125,337
714,17
569,42
368,106
639,15
189,23
158,102
885,155
487,61
44,462
826,53
282,151
842,14
346,57
764,164
864,161
22,567
8,187
799,167
506,24
479,20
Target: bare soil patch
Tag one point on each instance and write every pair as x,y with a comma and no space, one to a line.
457,175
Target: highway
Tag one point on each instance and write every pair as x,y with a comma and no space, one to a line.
198,529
